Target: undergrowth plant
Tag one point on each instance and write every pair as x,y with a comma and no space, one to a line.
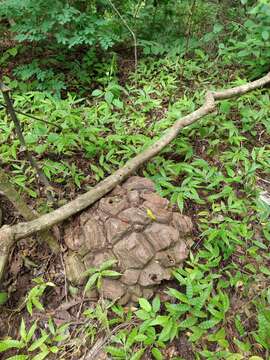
217,171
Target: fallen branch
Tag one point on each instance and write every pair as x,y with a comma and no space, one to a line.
10,234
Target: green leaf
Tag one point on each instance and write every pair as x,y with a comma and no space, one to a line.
166,331
110,273
265,35
37,344
29,307
42,355
178,295
142,314
51,326
189,290
10,344
3,297
117,352
245,347
97,92
118,103
140,338
188,322
157,354
131,338
54,349
23,334
159,320
208,324
265,270
91,282
109,97
31,332
138,355
37,304
108,264
217,28
145,305
197,334
156,304
18,357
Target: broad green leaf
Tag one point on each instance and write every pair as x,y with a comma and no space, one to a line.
143,315
138,355
91,282
97,92
131,338
118,103
178,295
140,338
114,351
197,334
108,264
31,332
217,28
156,304
145,305
37,344
10,344
109,97
265,270
42,355
23,334
29,307
208,324
110,273
18,357
37,304
159,320
54,349
189,290
166,331
51,326
188,322
157,354
265,35
235,357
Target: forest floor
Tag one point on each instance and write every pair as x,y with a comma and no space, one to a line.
217,171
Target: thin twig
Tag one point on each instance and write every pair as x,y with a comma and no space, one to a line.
32,117
65,275
188,33
129,29
10,110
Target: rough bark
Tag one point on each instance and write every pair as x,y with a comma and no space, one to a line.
10,234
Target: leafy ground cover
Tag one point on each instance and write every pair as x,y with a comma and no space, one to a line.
217,171
218,305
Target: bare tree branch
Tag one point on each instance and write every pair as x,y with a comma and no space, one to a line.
11,111
10,234
130,30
